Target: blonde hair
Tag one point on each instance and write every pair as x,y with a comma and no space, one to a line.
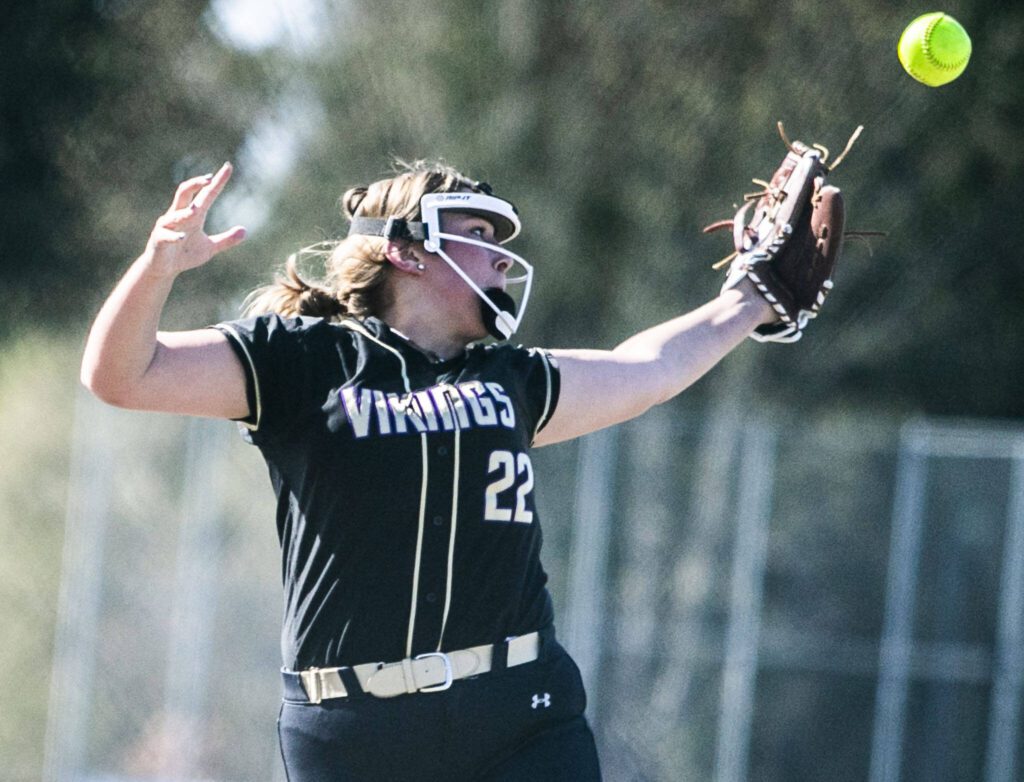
356,267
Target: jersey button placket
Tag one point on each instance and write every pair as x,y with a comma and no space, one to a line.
433,583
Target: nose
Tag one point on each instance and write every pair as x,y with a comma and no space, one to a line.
502,263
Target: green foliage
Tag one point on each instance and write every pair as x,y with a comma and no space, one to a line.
620,130
106,105
36,389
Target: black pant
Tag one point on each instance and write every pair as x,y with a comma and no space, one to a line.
523,723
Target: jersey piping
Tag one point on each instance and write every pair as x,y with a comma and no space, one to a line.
543,419
355,326
449,570
340,411
228,331
451,538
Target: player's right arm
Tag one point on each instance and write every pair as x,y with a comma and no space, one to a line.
128,362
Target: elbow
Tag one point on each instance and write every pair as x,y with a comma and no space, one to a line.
107,394
103,388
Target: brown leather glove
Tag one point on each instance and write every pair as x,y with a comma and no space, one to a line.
790,246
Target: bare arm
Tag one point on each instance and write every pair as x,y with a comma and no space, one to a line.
127,361
604,387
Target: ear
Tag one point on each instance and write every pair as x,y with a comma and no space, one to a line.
402,255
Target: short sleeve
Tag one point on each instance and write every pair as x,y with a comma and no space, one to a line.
278,356
541,380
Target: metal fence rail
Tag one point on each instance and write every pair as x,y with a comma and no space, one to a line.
844,603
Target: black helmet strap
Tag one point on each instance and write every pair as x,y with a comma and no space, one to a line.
390,228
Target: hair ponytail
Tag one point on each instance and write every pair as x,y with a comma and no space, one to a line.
291,295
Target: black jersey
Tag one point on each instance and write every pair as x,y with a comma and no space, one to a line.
405,504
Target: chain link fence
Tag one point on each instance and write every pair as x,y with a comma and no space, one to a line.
748,599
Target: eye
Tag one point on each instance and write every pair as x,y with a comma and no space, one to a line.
482,231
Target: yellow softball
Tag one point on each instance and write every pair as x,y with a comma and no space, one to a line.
934,49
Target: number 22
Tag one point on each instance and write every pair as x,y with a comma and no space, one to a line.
508,466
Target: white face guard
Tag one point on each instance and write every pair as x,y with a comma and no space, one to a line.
502,315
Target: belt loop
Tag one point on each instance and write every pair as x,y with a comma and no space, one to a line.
499,655
545,639
351,682
314,688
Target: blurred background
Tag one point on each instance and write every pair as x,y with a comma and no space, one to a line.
810,566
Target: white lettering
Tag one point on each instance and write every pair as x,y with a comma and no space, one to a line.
358,410
458,405
443,407
480,405
508,466
507,415
504,462
406,410
523,467
426,409
381,406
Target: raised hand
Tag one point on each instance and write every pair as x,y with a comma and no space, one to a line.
179,240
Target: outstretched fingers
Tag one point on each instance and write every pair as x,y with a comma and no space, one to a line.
187,190
208,193
193,199
179,240
178,217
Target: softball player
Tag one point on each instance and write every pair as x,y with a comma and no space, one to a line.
418,638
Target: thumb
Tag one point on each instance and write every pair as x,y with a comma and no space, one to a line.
228,239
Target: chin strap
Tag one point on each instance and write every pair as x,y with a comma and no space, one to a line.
501,322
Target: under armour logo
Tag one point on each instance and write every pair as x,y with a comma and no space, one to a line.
539,701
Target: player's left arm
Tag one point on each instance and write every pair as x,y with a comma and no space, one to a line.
600,388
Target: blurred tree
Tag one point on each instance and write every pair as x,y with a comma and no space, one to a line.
105,105
621,129
35,416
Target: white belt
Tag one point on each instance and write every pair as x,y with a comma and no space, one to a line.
430,672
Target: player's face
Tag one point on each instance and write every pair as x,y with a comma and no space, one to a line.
486,267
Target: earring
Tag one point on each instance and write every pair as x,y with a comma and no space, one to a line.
420,266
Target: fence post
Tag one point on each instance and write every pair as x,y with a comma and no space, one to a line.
897,635
1004,718
81,585
739,673
195,595
589,554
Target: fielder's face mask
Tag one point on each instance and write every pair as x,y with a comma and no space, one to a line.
501,315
